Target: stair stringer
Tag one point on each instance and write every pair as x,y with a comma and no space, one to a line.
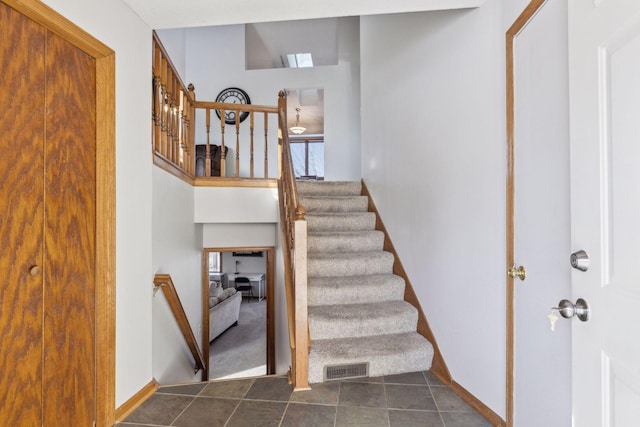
438,365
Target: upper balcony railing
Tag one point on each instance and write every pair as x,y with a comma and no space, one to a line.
192,139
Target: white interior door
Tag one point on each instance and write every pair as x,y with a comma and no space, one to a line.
604,71
542,380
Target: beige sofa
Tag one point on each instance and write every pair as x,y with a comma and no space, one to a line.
224,311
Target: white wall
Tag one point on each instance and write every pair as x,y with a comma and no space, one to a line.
215,59
236,205
174,43
177,250
113,23
246,264
435,164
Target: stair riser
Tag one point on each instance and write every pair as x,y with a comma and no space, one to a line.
361,222
322,328
353,294
335,204
348,267
391,360
329,188
365,242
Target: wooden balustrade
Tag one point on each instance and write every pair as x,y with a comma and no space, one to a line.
244,146
294,242
164,282
176,134
172,112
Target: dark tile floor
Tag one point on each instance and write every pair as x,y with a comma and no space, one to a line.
414,399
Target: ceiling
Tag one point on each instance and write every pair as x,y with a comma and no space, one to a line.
267,44
160,14
280,27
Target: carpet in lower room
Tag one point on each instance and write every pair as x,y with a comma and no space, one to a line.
241,350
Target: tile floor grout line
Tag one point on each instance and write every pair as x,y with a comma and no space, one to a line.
436,403
335,417
233,412
386,401
284,413
193,399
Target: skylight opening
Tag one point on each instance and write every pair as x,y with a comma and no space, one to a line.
299,60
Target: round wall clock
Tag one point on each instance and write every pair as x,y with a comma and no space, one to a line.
233,95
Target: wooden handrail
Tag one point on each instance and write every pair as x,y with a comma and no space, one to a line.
294,237
238,107
164,282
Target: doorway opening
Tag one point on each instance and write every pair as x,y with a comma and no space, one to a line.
238,334
305,120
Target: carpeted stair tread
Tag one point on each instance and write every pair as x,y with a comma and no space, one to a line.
335,203
320,264
359,320
345,241
342,221
357,311
386,354
329,188
355,289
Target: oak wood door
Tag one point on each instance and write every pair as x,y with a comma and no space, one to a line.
47,233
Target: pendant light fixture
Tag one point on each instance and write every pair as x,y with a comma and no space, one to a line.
297,129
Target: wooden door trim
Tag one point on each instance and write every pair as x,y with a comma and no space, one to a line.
270,253
105,195
516,28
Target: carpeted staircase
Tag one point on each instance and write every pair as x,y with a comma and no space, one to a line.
357,312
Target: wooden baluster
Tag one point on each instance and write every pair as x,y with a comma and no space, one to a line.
207,161
181,118
172,118
157,96
251,146
170,103
163,109
191,128
185,135
156,113
237,143
223,154
266,145
175,132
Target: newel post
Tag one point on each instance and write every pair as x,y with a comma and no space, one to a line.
301,305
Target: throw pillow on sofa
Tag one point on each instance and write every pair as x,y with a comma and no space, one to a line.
215,289
213,301
226,294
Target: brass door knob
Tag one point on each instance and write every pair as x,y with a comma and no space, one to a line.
520,272
34,271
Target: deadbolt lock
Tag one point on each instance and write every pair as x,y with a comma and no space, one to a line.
520,272
580,260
